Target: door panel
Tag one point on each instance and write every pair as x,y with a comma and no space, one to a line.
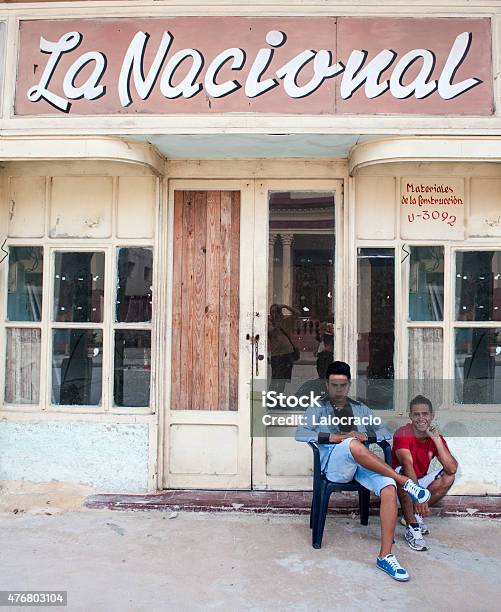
205,297
222,290
298,228
207,442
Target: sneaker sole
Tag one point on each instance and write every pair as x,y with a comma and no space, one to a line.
392,576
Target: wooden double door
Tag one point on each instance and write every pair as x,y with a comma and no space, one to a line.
221,271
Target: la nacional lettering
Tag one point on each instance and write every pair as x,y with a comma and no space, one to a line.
178,74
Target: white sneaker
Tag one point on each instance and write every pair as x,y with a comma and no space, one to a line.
422,525
414,538
419,521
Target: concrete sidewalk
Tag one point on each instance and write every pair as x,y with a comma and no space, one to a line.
125,561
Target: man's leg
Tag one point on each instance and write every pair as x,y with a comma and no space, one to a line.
406,504
388,517
439,487
369,460
385,488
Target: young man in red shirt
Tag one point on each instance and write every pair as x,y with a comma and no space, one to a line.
414,446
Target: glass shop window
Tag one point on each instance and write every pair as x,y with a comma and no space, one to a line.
24,305
376,326
478,286
133,306
477,349
426,283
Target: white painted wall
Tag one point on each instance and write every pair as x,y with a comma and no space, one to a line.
110,457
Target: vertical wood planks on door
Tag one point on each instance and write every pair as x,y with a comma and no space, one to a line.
234,299
206,305
177,311
198,331
224,302
187,283
211,361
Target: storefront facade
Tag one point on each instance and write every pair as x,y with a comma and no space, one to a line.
168,176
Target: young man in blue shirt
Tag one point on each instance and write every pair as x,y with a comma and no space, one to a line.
340,426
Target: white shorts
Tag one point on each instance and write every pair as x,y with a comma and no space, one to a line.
426,480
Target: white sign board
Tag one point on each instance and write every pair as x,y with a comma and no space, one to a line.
432,208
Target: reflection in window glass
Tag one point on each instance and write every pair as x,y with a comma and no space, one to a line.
300,289
132,368
376,326
478,286
25,280
77,365
22,366
478,361
426,283
426,349
79,287
134,289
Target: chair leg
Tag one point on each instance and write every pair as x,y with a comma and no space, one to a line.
315,504
363,502
321,515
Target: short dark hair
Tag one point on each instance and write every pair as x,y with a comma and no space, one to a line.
420,399
338,367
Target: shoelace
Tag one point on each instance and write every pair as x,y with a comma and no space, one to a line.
392,560
413,487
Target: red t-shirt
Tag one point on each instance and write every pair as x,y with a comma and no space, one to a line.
422,450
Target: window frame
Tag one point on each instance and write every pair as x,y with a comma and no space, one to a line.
402,323
455,324
449,323
110,247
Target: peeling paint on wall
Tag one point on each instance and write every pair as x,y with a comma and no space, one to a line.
109,457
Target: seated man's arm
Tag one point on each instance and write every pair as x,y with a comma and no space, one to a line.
405,457
308,432
444,455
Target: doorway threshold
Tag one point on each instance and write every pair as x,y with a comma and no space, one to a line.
276,502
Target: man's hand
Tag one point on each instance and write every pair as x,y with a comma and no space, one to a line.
433,431
358,435
422,509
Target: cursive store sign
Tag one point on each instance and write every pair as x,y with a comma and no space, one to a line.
234,64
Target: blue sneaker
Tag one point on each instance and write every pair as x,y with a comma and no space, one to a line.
391,566
417,493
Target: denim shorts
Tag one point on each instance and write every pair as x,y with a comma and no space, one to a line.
342,467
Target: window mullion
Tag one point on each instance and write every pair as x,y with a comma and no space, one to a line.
45,345
449,286
107,392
